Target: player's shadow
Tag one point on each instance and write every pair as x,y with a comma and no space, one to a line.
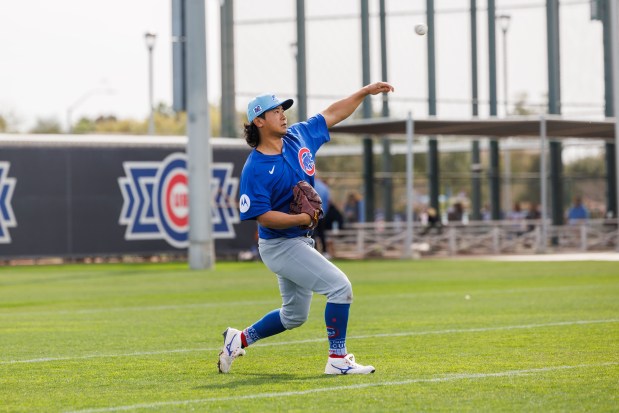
252,379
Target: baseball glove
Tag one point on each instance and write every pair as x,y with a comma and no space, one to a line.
306,200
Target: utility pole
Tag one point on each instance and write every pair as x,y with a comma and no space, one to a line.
199,152
228,86
368,158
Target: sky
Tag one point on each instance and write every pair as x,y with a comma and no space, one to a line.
61,58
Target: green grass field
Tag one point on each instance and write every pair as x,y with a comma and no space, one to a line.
443,336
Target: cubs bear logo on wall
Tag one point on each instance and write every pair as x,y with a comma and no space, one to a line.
156,200
7,217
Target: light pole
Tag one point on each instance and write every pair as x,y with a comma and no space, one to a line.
504,20
150,39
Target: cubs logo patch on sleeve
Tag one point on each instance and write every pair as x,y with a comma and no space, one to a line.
306,160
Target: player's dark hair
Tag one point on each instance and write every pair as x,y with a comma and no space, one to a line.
252,134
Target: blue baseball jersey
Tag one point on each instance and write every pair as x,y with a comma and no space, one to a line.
267,180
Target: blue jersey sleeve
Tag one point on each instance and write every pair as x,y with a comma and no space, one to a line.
255,199
314,131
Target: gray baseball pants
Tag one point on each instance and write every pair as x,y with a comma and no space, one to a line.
301,270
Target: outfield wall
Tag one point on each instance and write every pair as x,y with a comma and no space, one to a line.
75,196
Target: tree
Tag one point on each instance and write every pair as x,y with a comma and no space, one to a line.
167,122
521,107
84,125
9,122
46,125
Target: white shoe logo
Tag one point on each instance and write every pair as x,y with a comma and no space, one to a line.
272,170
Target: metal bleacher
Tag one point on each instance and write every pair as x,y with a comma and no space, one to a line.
387,240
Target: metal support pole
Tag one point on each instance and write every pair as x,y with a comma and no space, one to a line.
494,171
383,55
365,55
583,236
505,92
199,152
609,111
476,181
368,179
179,56
228,110
431,58
474,91
475,158
614,24
543,186
492,56
301,103
408,239
387,180
508,174
387,159
554,107
433,175
611,179
368,165
556,179
554,60
495,181
433,155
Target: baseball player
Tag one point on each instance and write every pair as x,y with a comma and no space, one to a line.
276,190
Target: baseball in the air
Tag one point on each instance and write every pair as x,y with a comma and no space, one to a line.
421,29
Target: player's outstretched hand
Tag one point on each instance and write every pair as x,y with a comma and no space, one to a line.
379,87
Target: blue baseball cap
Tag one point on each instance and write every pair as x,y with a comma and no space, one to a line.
264,103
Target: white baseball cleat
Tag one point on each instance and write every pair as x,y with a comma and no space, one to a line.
346,365
231,349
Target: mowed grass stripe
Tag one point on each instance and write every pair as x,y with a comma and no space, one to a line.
90,311
440,379
316,340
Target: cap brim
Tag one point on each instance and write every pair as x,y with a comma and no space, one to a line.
286,104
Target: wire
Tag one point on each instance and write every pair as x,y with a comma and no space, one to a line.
322,18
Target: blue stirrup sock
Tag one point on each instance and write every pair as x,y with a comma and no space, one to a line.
336,320
267,326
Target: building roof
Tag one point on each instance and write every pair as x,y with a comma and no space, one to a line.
493,128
